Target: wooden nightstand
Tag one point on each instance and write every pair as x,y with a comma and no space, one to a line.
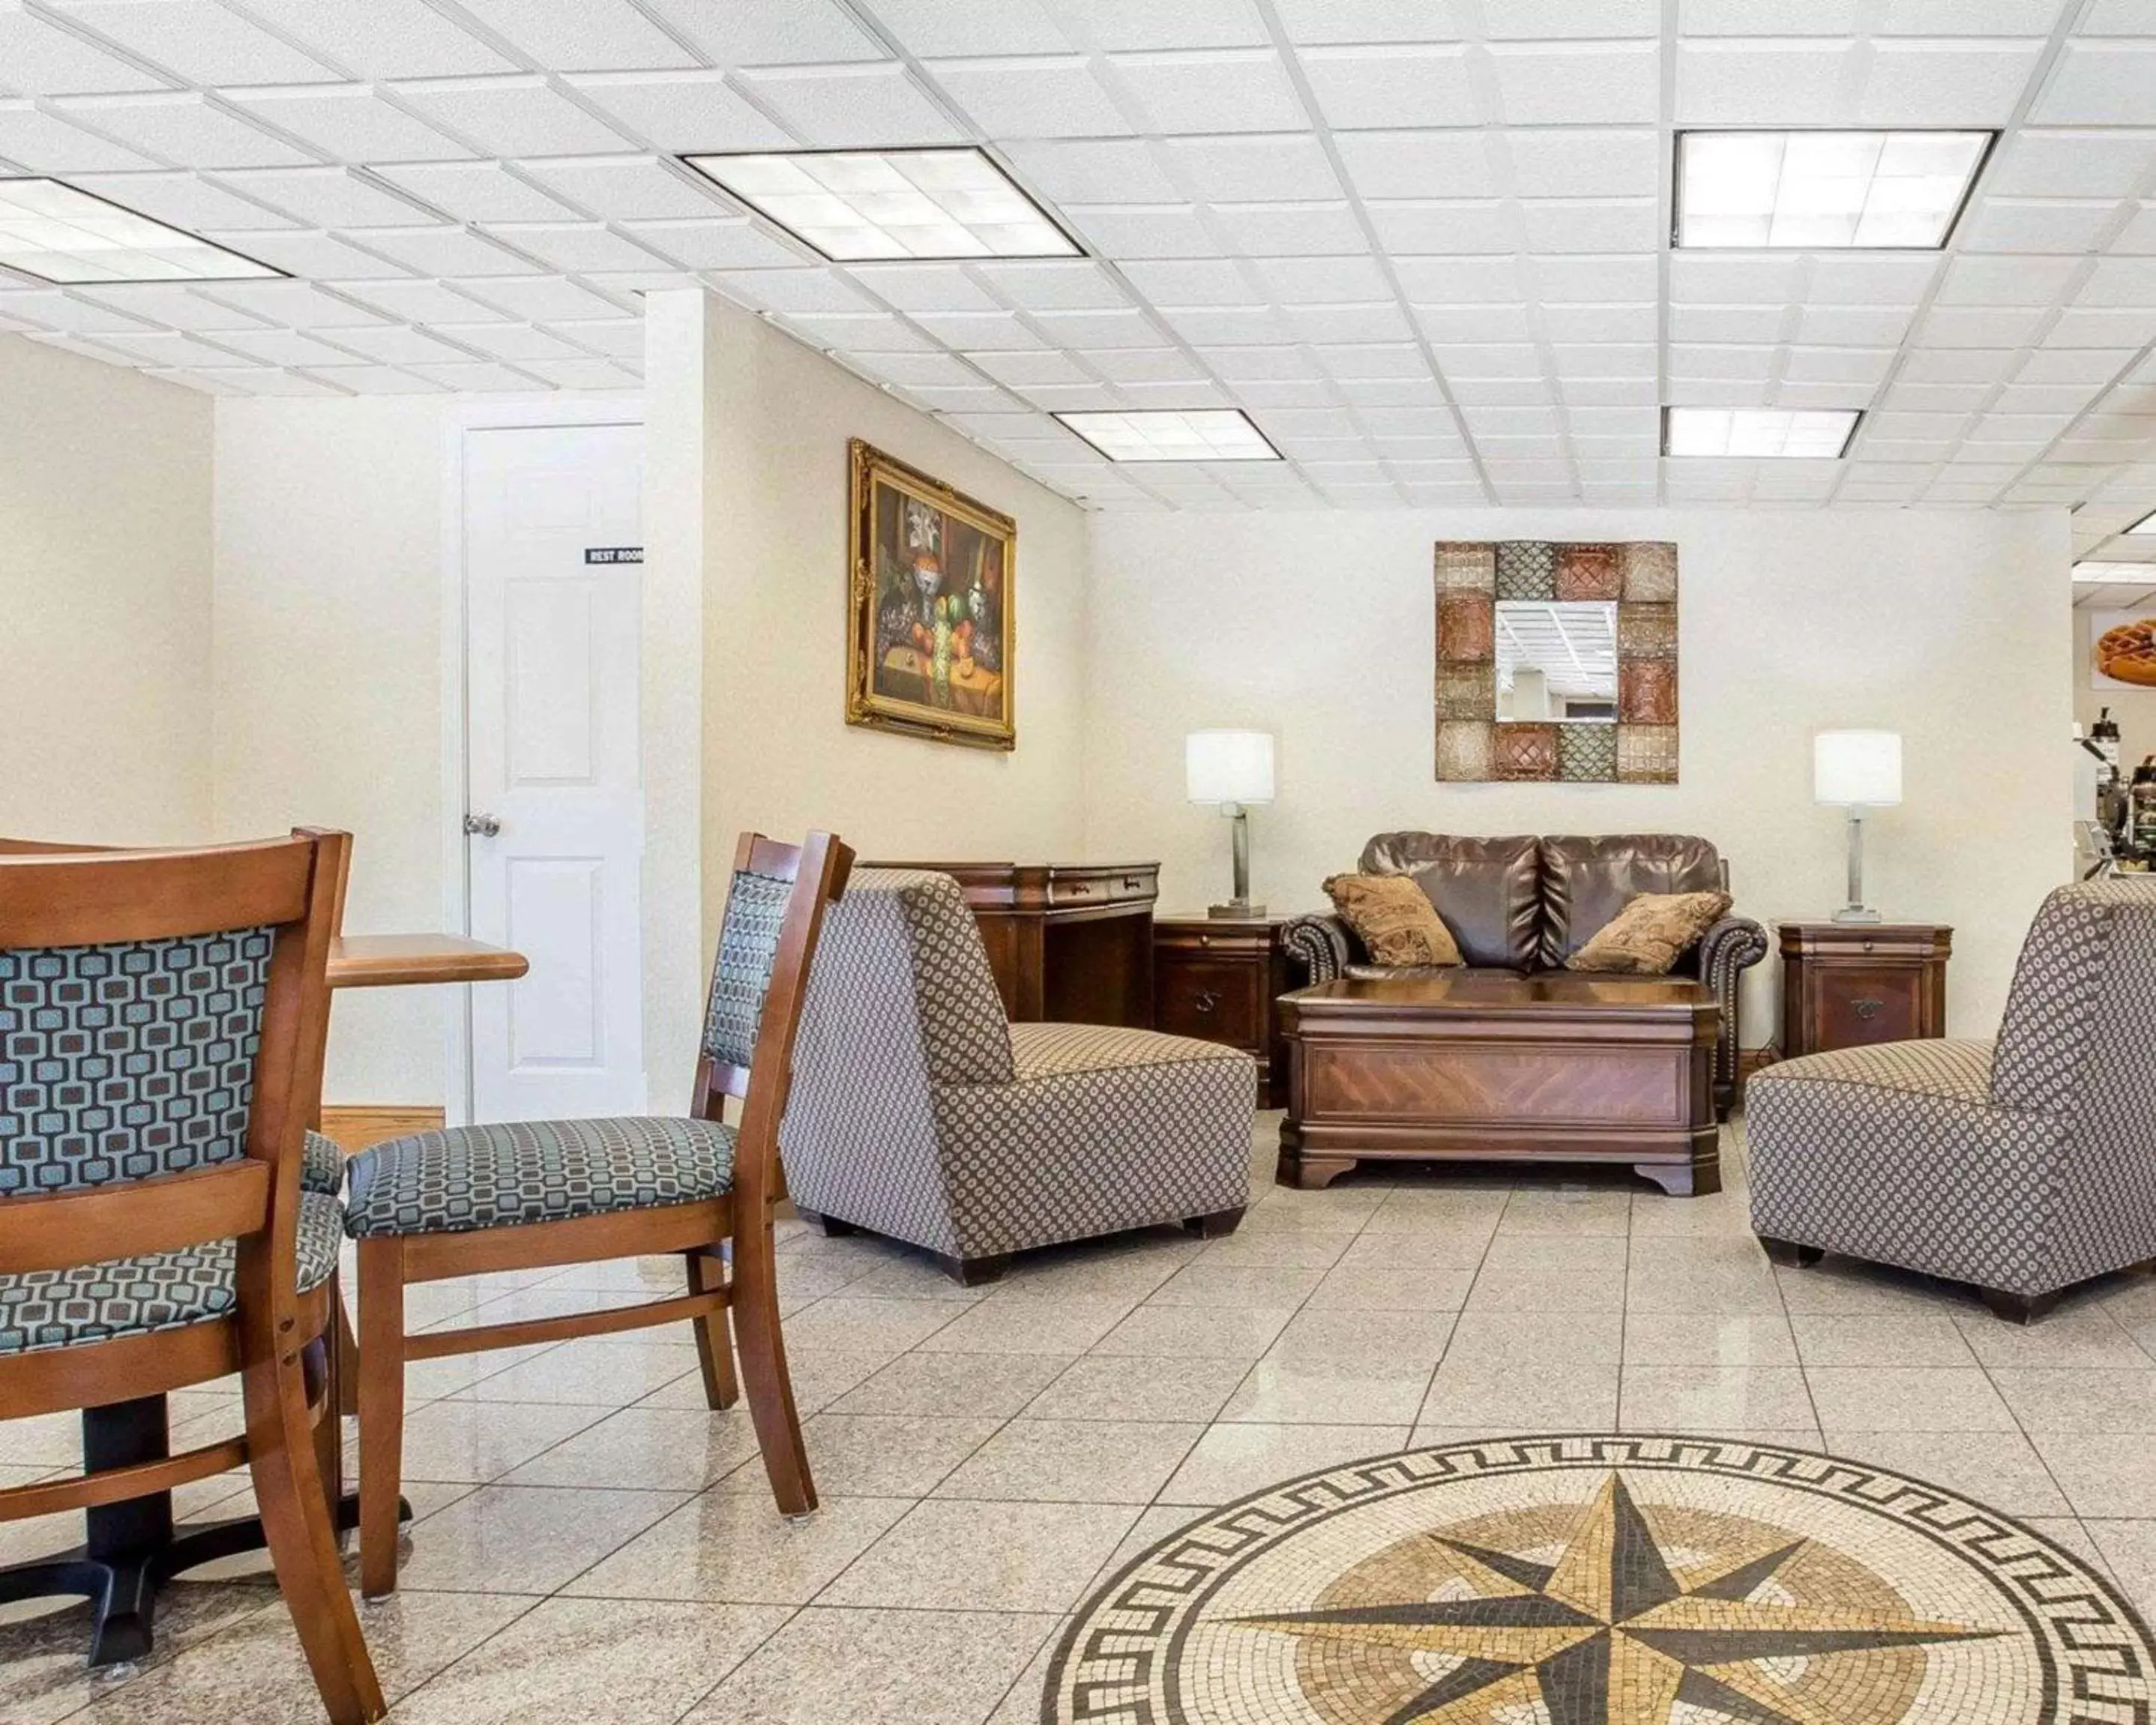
1847,983
1220,979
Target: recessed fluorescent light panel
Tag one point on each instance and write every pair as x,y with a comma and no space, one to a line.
1808,433
855,205
1211,434
57,233
1887,191
2145,526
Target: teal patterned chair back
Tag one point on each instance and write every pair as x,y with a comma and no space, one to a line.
741,976
126,1061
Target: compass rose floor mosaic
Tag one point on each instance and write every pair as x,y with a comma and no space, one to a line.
1604,1580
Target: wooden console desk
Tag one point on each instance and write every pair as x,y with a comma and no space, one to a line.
1069,942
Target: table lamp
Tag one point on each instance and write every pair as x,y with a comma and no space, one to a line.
1233,769
1856,770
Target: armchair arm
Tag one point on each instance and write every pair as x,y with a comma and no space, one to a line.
1727,950
1322,943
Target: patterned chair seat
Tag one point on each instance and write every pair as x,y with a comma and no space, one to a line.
322,1165
473,1177
1958,1067
1056,1050
42,1309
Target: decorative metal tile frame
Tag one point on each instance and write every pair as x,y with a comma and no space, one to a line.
1641,577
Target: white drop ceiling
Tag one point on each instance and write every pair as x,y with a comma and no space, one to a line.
1422,242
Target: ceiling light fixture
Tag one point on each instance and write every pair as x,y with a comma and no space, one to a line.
1173,434
2146,526
2115,574
854,206
1783,434
1876,190
56,233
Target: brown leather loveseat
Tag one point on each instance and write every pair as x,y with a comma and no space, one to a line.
1524,903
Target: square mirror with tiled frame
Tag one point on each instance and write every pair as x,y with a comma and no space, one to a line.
1557,661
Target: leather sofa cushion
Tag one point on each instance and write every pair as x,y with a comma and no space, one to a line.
1488,891
1586,881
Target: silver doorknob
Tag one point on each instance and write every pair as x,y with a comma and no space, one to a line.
482,826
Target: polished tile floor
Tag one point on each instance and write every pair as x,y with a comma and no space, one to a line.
592,1544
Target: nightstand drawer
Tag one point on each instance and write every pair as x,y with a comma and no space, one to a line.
1216,1002
1878,1004
1845,985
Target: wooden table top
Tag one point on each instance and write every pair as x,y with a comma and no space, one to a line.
1504,991
388,961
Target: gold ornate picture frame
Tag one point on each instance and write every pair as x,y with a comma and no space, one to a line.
1638,579
931,612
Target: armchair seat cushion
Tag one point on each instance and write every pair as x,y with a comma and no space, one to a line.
322,1165
472,1177
42,1309
1959,1069
1056,1051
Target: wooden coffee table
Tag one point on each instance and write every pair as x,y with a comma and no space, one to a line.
1494,1066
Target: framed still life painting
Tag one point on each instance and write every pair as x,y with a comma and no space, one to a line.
929,617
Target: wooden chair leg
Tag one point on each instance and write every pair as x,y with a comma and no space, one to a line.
320,1363
302,1536
764,1375
381,1410
715,1351
345,1347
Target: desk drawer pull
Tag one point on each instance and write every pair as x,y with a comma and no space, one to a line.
1205,1000
1868,1009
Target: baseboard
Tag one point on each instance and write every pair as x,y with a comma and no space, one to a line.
357,1127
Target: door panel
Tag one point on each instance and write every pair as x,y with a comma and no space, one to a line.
552,754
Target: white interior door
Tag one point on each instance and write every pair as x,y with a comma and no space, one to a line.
555,815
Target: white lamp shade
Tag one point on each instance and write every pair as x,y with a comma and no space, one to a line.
1857,769
1229,765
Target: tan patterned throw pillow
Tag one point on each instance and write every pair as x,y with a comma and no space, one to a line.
1393,919
1650,933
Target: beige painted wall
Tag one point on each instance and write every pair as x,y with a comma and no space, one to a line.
105,602
778,753
1950,628
329,681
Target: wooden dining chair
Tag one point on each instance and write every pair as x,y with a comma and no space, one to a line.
475,1199
161,1015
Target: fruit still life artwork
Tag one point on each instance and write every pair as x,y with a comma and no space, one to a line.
930,618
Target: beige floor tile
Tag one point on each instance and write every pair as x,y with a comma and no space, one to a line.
1574,1398
1396,1341
1905,1399
2069,1532
2130,1553
1531,1340
737,1548
1309,1248
1548,1290
819,1378
44,1440
886,1326
878,1667
648,1450
474,1442
1153,1526
946,1385
1463,1211
1724,1214
1239,1287
1449,1251
1309,1389
1232,1461
913,1277
1654,1285
1572,1253
2095,1400
572,1661
1710,1398
1074,1462
2088,1336
1685,1338
1914,1338
525,1539
609,1372
874,1455
1021,1702
1567,1211
1099,1269
958,1556
2000,1469
1195,1331
254,1673
2109,1475
1841,1286
43,1675
997,1325
1104,1386
1371,1287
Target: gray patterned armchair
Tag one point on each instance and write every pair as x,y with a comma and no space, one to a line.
2022,1166
920,1112
1524,903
